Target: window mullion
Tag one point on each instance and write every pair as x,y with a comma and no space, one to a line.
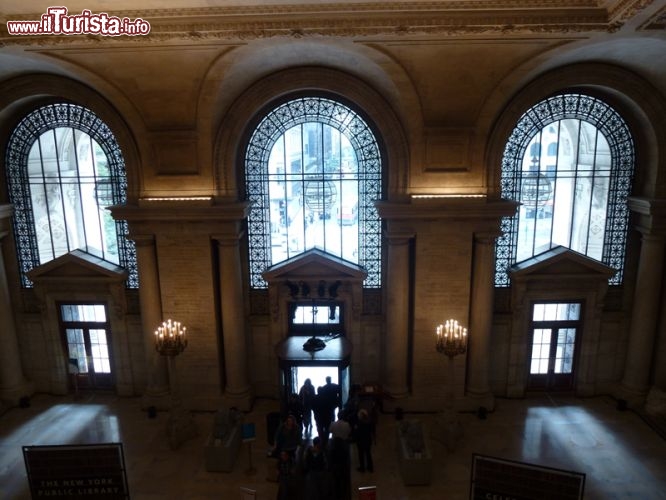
78,183
62,192
100,217
592,187
536,194
555,177
46,201
325,208
575,183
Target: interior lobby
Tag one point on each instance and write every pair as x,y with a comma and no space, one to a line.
455,208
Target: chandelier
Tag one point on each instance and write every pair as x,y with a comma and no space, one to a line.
313,344
170,338
451,338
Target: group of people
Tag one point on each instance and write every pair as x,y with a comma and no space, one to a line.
321,470
321,404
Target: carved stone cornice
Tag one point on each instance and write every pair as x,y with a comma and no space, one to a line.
624,10
652,213
449,18
447,208
181,211
656,23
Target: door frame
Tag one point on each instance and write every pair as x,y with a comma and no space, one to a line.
89,380
550,379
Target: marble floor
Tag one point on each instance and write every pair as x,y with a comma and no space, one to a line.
620,455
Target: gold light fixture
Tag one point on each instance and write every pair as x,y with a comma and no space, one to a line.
170,338
451,338
170,341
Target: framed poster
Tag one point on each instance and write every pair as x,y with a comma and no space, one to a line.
499,478
77,472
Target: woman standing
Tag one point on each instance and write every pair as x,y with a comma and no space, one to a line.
307,395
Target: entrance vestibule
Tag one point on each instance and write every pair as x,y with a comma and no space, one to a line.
317,303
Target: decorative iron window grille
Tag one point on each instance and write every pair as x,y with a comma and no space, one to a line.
573,193
313,171
64,164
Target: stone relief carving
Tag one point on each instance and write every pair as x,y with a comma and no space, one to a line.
363,19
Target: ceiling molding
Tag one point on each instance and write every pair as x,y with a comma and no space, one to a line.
656,22
455,19
624,10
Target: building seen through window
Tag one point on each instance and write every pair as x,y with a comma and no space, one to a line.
569,163
313,171
64,168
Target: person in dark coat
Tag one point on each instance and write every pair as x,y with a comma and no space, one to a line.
307,395
286,479
331,393
295,408
363,436
315,466
287,437
340,466
322,417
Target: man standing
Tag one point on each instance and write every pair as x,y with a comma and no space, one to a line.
331,393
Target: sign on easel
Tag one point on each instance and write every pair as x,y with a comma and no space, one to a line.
249,434
77,472
499,478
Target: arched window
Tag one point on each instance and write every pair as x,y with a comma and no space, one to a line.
313,172
64,167
575,198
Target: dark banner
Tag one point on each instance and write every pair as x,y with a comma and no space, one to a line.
76,471
496,478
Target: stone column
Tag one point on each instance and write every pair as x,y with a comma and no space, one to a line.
481,320
642,333
13,385
238,391
157,389
397,315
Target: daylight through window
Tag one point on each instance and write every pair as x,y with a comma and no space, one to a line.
313,171
569,162
64,169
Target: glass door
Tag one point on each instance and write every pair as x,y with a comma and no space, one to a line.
555,328
86,337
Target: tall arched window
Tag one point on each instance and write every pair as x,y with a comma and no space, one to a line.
64,167
574,194
313,172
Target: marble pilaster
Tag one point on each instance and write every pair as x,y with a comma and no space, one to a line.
238,391
397,315
481,319
642,332
157,388
13,385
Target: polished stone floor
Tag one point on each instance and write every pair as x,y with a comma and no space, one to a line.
620,455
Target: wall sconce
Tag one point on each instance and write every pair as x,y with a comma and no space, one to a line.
451,338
